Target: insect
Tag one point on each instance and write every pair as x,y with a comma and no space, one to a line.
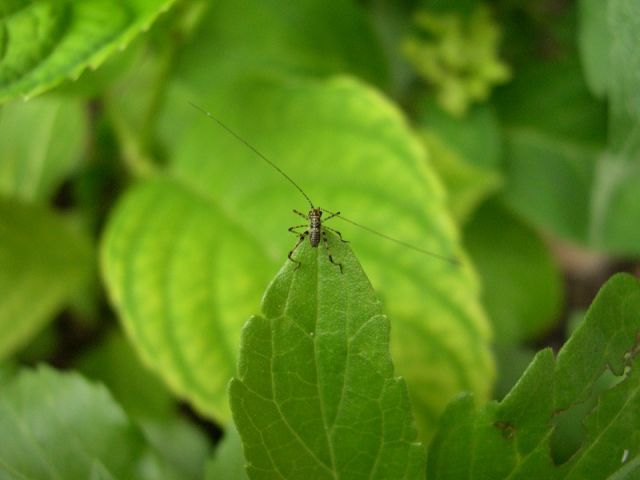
316,231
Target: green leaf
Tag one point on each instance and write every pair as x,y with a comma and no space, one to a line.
549,182
511,439
46,42
182,445
350,149
623,21
40,144
522,285
59,426
467,184
466,153
228,460
615,222
42,263
181,448
311,37
139,392
558,174
552,98
181,274
511,362
553,136
609,38
594,44
316,394
476,137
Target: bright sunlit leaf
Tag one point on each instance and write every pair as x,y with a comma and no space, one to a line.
351,150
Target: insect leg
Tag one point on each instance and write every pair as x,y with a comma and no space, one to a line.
301,214
331,216
293,229
336,231
326,245
300,240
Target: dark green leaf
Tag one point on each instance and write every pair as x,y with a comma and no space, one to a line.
549,181
42,263
183,447
554,131
609,50
316,37
140,393
595,44
522,285
180,446
623,21
555,176
59,426
552,98
511,439
316,395
228,460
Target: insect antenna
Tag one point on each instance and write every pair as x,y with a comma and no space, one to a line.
450,260
253,149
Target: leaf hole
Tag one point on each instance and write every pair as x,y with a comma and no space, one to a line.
508,430
569,432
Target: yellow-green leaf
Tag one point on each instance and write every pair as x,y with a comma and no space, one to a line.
40,143
350,149
182,274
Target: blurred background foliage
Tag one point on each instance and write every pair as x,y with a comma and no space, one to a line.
505,133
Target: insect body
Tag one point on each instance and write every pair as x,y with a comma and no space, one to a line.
315,226
316,231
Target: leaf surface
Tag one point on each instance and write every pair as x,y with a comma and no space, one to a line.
171,259
316,395
554,132
46,42
140,393
228,459
40,143
309,37
609,40
569,168
59,426
522,285
511,439
182,446
350,150
42,263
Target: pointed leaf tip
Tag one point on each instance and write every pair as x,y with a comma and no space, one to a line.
315,393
